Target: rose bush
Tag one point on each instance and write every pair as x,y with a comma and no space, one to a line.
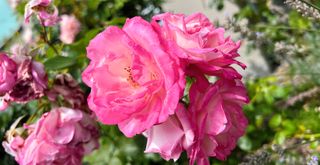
139,78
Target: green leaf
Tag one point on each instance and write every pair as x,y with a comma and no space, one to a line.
93,5
280,137
59,62
275,121
245,143
297,21
289,127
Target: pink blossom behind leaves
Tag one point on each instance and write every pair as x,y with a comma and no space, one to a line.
69,28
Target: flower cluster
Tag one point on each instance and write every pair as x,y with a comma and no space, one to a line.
61,136
137,77
22,79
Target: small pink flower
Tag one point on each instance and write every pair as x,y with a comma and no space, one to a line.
173,136
219,120
195,39
8,73
69,28
61,136
47,14
134,81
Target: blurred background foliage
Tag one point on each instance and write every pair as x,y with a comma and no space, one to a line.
284,112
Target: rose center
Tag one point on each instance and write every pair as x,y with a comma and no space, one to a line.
130,79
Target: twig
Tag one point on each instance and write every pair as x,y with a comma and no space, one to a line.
302,96
46,40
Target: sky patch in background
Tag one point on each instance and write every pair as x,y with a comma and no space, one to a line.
8,21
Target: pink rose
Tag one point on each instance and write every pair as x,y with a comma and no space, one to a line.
46,12
195,39
134,82
173,136
31,80
8,73
61,136
210,127
69,28
219,120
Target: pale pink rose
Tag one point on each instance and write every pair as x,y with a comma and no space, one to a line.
172,137
61,136
8,73
219,120
45,11
134,82
195,39
69,28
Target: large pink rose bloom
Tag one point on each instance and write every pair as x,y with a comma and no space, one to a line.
134,82
45,11
8,73
195,39
61,136
69,28
218,116
172,137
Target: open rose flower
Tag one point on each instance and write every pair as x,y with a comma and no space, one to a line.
134,82
69,28
219,120
195,39
61,136
45,11
210,127
172,137
8,73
